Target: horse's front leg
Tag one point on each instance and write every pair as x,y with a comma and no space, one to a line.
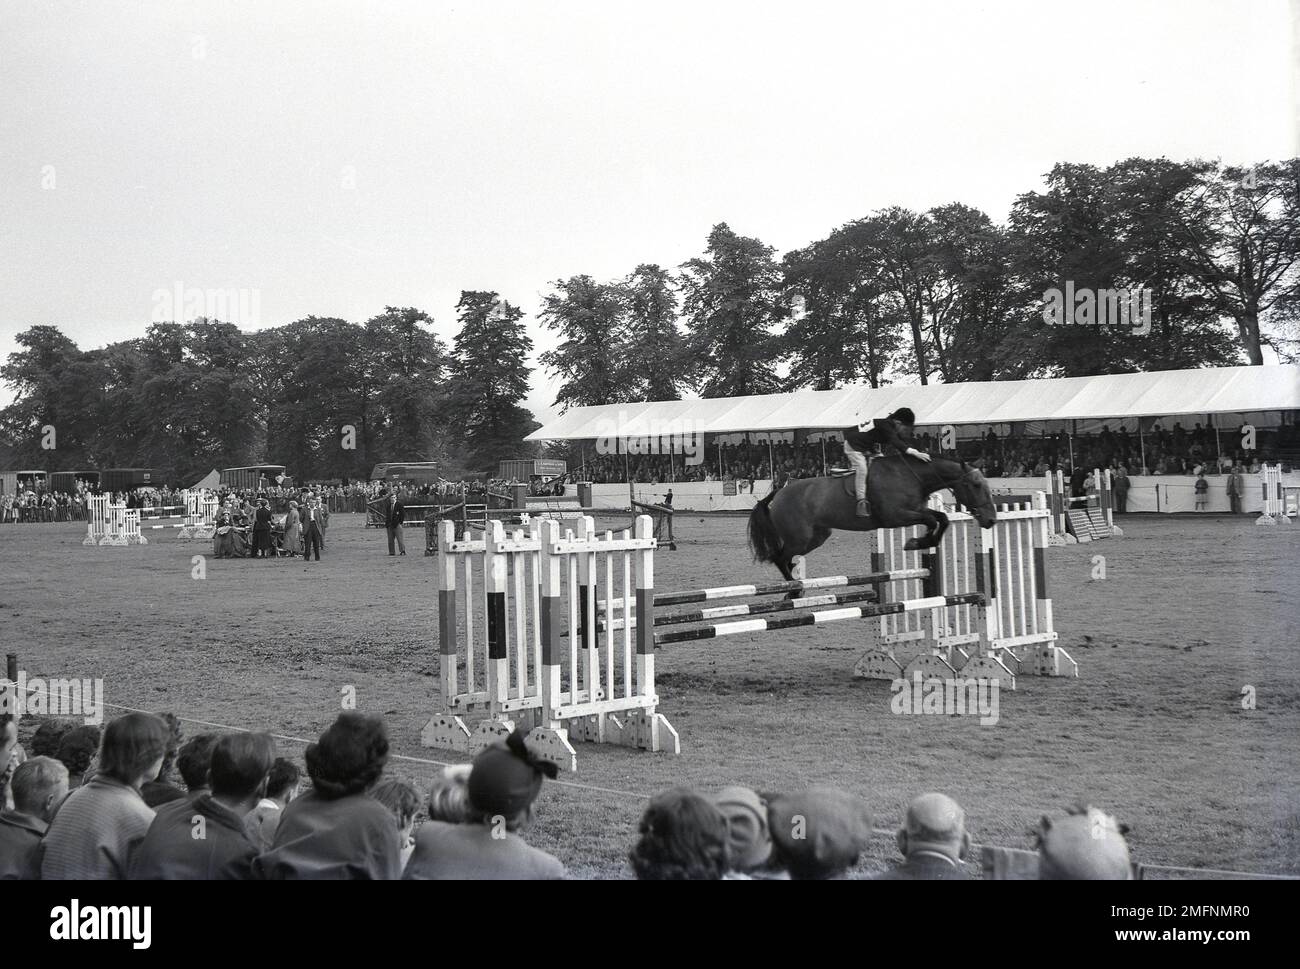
935,522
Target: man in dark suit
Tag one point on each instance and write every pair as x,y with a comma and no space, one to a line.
394,512
933,841
313,529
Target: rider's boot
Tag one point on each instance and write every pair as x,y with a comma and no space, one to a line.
864,508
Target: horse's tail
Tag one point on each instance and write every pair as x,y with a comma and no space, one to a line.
764,541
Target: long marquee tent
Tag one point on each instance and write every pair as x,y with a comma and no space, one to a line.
1222,390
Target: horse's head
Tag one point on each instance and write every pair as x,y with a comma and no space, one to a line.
972,492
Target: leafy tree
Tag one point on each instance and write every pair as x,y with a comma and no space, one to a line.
592,357
490,377
733,300
656,352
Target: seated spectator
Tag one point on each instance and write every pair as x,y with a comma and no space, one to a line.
449,797
162,790
171,851
194,761
1086,845
337,830
503,783
818,833
45,741
39,787
932,840
684,837
749,843
11,757
403,801
103,821
76,751
282,786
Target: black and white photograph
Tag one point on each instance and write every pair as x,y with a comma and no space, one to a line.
691,441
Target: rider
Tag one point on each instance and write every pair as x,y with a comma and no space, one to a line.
861,445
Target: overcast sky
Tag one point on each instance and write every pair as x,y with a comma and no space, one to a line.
338,157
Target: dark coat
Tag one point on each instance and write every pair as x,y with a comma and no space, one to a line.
172,851
884,433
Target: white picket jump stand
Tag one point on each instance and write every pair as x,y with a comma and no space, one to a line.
1270,480
200,516
1011,633
112,524
522,671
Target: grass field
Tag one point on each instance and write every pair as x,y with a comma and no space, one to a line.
1191,611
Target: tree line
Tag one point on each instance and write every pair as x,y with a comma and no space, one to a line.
942,295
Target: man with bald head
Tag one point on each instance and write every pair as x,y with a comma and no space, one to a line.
1086,845
933,841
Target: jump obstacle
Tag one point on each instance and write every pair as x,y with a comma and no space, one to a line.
982,605
1275,497
523,511
1083,519
521,674
112,523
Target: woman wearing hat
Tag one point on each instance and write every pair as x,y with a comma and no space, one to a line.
503,783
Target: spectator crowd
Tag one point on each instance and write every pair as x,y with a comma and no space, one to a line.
127,803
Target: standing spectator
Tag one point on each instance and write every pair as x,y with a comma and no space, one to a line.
1202,491
1120,486
394,513
262,530
292,530
313,530
1236,489
39,787
170,850
337,830
103,821
933,841
282,786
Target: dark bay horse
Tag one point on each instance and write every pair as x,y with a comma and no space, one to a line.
799,517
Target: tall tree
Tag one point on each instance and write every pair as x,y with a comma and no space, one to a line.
412,364
490,378
843,328
1241,229
592,356
733,302
655,346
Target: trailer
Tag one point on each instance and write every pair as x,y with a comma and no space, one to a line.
413,472
65,482
257,477
530,469
113,480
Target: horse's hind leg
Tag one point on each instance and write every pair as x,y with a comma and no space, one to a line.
798,562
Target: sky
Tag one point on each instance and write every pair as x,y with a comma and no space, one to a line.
333,158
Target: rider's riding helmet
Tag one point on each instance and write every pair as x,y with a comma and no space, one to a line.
903,415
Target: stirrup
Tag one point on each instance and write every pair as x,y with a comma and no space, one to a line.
864,508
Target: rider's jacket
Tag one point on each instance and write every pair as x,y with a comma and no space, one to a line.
883,433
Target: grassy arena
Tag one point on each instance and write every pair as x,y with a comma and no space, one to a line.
1154,730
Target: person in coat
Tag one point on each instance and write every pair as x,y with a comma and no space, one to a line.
394,515
292,530
262,530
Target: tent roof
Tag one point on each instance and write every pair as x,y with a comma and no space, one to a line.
209,482
1220,390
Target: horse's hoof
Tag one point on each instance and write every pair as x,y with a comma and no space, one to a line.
913,544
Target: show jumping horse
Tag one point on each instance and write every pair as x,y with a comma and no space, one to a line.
798,518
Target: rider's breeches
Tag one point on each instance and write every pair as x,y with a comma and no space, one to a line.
859,462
